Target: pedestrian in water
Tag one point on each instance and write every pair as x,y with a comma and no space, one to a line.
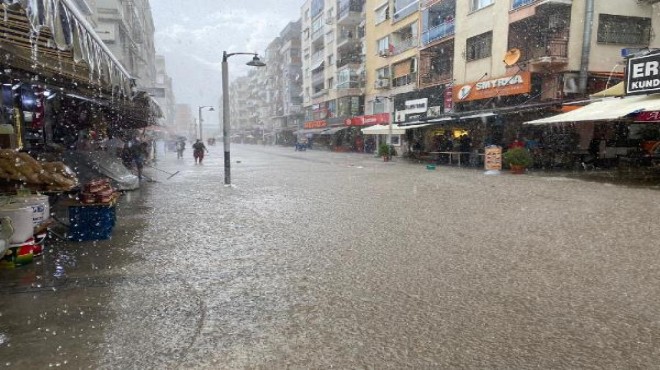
140,153
180,147
198,151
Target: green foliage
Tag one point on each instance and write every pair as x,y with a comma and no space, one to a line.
386,150
518,157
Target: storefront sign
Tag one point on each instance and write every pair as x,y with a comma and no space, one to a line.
315,124
493,158
368,120
417,105
643,75
449,100
650,116
520,83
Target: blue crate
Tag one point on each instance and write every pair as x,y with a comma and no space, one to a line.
93,222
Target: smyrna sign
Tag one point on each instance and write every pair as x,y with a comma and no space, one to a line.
643,75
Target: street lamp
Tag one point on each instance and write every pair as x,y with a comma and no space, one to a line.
255,62
199,116
389,128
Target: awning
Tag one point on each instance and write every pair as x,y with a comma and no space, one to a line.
310,131
317,65
65,45
616,90
332,130
385,130
611,109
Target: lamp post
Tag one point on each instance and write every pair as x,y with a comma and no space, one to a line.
226,128
200,120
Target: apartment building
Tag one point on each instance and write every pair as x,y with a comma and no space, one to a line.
127,28
499,62
162,92
392,42
332,62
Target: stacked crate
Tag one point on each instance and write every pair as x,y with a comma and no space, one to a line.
95,217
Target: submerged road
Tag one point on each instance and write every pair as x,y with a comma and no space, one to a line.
317,260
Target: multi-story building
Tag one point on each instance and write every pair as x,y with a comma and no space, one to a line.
127,28
486,66
392,41
332,61
162,92
184,122
289,115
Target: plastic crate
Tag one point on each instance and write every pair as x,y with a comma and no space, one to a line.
93,222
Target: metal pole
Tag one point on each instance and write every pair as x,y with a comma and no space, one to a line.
225,118
199,114
389,127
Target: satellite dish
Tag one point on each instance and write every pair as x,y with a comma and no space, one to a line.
511,56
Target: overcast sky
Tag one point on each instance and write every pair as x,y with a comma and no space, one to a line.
192,38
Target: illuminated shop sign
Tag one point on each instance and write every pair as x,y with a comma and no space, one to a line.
520,83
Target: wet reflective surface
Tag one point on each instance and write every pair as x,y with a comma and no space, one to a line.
316,260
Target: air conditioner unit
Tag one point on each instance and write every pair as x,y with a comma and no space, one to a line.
571,83
382,83
383,53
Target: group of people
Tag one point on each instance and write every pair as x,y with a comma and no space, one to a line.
198,150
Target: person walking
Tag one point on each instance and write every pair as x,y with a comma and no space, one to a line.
180,147
198,151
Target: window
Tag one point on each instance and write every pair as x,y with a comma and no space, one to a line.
479,47
616,29
383,45
383,73
331,59
478,4
404,8
382,14
379,106
331,83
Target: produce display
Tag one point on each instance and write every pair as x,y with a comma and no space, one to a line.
98,191
52,176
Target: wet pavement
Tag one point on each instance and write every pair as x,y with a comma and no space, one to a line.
317,260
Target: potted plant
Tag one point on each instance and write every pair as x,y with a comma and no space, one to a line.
518,159
386,151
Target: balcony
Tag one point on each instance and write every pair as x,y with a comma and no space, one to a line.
400,14
350,12
318,34
552,53
345,37
349,60
517,4
438,32
404,45
431,79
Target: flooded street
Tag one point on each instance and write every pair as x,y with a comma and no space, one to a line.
317,260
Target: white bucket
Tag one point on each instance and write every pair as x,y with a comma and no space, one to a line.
39,204
21,219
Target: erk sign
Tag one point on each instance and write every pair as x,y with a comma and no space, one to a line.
643,75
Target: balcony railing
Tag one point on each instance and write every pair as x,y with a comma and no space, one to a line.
438,32
521,3
551,48
317,33
347,6
404,45
351,60
406,11
434,78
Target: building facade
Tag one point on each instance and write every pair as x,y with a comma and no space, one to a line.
332,61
